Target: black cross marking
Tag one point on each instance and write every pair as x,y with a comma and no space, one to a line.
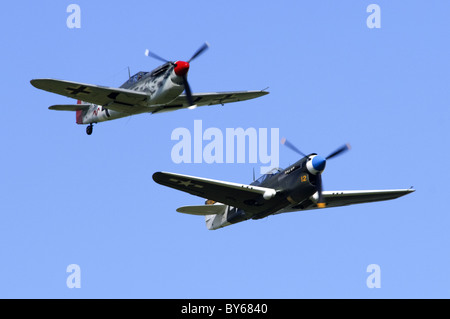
81,89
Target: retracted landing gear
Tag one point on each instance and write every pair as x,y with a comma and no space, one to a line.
89,129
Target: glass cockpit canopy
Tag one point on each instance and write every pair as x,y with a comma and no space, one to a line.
138,76
269,174
135,78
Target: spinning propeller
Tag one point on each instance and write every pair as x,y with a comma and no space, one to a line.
181,69
317,165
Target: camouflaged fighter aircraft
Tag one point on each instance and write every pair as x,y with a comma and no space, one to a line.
296,188
145,92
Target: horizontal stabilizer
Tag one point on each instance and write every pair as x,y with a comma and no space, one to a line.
69,107
202,210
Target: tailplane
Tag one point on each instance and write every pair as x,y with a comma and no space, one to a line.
78,108
203,210
215,214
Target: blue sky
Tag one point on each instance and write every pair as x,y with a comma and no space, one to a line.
68,198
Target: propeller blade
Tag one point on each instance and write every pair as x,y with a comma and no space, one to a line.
339,151
155,56
199,51
285,142
187,88
320,202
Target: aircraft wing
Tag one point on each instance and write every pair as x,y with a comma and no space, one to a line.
202,99
344,198
117,99
247,197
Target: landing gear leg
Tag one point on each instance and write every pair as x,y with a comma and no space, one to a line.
89,129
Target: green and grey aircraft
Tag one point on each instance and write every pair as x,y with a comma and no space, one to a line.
295,188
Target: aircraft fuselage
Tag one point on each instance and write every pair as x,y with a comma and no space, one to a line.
162,85
295,185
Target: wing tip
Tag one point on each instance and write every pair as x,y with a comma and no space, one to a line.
37,82
156,176
262,93
34,82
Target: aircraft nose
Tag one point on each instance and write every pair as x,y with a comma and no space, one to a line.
181,68
318,162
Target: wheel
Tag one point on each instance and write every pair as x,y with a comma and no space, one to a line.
89,129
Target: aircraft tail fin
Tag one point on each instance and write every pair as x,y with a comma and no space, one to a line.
215,214
79,108
79,114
